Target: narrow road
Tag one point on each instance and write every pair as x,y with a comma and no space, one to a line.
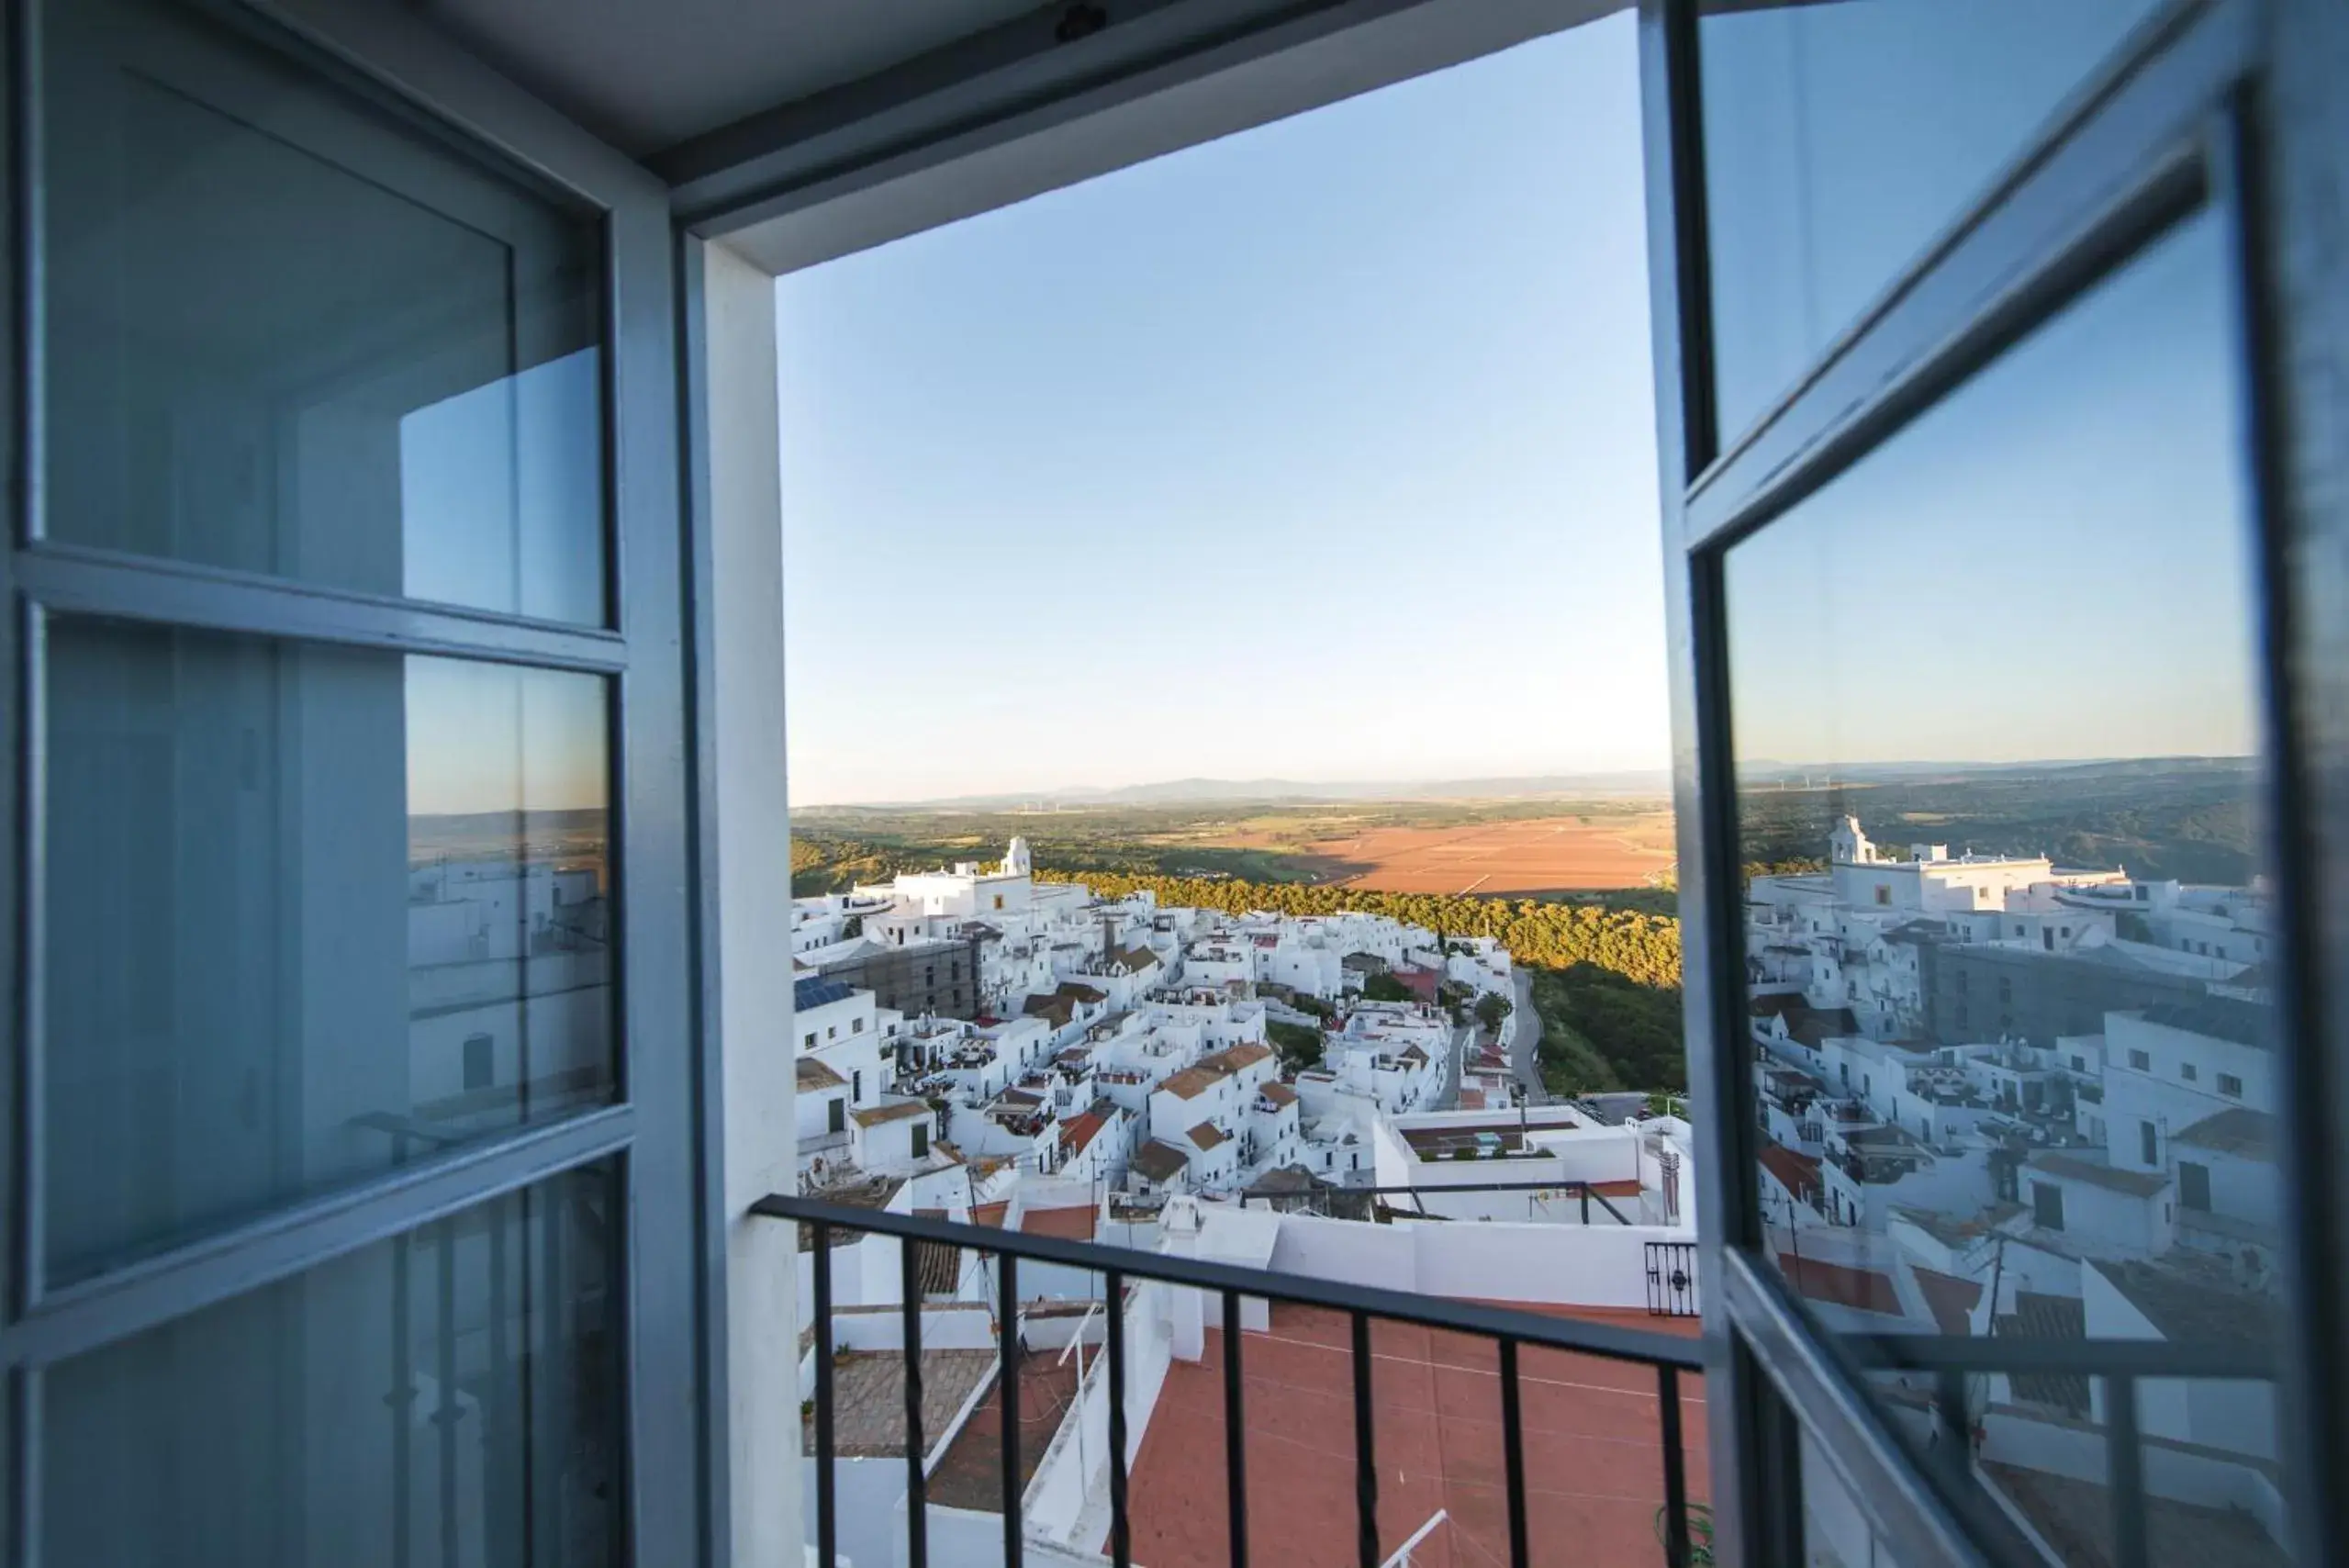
1525,1050
1449,1099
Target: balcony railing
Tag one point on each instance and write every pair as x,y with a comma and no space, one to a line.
1508,1330
1581,1190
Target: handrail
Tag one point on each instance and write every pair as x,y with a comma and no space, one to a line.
1608,1339
1509,1329
1578,1186
2247,1362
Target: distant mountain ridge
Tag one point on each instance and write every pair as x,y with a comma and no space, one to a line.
1182,791
1622,781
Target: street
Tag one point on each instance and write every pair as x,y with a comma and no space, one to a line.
1525,1050
1449,1099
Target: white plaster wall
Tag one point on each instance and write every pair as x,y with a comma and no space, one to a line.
754,908
1594,1266
868,1494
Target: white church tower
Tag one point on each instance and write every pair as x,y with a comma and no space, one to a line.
1017,862
1847,845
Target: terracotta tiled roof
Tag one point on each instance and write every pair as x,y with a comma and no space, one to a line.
1950,1299
2135,1183
1799,1174
1159,1162
1210,1070
813,1074
1863,1290
1078,1133
1207,1135
895,1111
1071,1223
1060,1009
2237,1131
1191,1082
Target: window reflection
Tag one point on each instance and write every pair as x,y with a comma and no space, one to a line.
449,1397
311,912
1841,138
2009,942
340,355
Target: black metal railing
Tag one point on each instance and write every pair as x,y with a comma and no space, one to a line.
1959,1364
1583,1189
1509,1330
1672,1279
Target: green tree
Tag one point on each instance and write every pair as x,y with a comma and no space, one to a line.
1385,988
1491,1008
1300,1046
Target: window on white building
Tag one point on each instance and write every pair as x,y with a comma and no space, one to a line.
2231,1086
2047,1205
2140,1062
2188,1071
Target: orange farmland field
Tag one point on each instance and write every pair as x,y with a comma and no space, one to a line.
1544,853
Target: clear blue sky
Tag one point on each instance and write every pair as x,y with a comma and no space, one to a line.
2054,562
1325,451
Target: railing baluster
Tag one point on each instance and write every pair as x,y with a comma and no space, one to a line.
1234,1431
827,1516
1512,1455
917,1496
2127,1472
1365,1467
1585,1187
1952,1430
1676,1475
1008,1386
1120,1548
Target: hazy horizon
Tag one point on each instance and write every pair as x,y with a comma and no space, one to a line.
1567,785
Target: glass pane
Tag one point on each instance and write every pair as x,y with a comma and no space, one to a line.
2009,933
449,1397
1841,138
288,336
311,912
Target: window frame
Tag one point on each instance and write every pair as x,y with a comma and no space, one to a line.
2182,119
667,1419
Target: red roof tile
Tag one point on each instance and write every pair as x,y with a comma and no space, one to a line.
1950,1298
1799,1174
1591,1430
1074,1223
1078,1133
1863,1290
